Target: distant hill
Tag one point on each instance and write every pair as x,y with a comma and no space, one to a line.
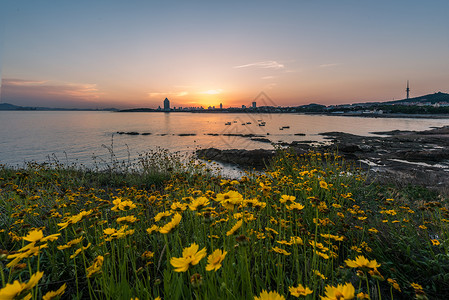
139,110
8,106
430,98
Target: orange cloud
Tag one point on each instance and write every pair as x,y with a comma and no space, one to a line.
29,92
22,82
268,64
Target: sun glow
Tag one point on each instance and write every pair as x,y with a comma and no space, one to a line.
213,92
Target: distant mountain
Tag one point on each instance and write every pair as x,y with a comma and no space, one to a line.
139,110
8,106
430,98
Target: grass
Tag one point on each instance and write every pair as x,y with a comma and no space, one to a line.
169,228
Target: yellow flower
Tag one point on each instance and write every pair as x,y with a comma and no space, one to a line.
323,185
127,219
126,205
363,296
162,215
116,203
152,229
230,199
147,255
199,203
295,206
340,292
95,267
362,262
323,255
318,245
190,257
12,290
334,237
18,289
234,228
394,284
54,294
318,273
171,225
78,251
178,206
416,286
37,236
215,259
435,242
296,240
29,252
273,295
284,243
70,243
281,251
285,198
299,291
271,230
37,242
74,219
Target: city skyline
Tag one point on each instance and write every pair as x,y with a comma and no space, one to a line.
135,54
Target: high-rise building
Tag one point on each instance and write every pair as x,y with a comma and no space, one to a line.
221,105
253,105
166,104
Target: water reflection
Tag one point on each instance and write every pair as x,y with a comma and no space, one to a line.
28,136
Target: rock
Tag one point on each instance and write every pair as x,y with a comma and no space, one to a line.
263,140
246,158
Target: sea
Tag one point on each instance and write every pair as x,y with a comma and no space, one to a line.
88,137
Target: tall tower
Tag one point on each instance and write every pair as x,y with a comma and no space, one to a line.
407,90
166,104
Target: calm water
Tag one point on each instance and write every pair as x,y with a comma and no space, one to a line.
78,136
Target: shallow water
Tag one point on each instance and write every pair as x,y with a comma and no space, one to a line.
77,137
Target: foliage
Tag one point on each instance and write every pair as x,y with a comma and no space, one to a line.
309,226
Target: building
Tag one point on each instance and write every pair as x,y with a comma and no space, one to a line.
166,104
253,105
221,105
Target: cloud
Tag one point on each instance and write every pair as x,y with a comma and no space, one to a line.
212,92
267,77
49,93
167,94
22,82
329,65
42,88
268,64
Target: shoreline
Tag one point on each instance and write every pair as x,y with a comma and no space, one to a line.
403,157
364,115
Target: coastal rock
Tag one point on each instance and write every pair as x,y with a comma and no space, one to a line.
128,133
245,158
263,140
402,157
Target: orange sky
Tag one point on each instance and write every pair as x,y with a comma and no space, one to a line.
79,54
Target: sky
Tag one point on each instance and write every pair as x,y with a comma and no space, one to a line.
128,54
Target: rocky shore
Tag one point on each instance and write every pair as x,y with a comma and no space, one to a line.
405,157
